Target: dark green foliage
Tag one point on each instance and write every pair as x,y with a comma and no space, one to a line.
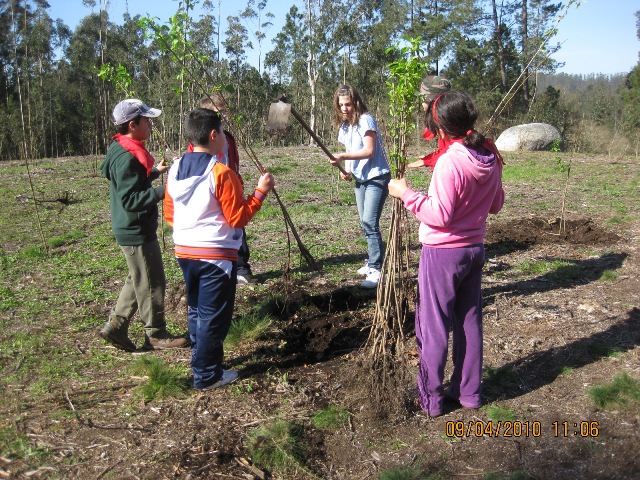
630,96
551,108
55,103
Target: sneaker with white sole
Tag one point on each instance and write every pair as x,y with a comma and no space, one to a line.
228,376
365,269
245,279
373,277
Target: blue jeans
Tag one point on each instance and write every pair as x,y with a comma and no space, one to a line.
211,296
370,197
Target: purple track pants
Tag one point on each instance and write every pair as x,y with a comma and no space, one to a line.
450,298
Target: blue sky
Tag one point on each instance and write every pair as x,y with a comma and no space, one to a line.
599,36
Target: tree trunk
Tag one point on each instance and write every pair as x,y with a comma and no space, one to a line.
500,47
311,75
23,146
101,127
218,31
525,85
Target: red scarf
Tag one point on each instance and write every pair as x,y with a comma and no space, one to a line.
137,149
430,159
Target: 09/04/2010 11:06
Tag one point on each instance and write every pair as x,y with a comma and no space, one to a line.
520,429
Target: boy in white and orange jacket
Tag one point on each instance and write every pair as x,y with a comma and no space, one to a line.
205,205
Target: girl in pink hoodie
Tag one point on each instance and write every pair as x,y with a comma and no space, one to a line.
465,187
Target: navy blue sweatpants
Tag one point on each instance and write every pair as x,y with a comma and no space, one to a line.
211,296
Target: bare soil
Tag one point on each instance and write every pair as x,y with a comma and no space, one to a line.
548,339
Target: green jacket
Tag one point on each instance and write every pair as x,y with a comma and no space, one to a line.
132,198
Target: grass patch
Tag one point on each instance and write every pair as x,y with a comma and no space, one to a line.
14,445
618,220
499,414
278,446
540,267
558,269
276,170
330,418
410,473
292,196
8,300
498,380
163,381
248,327
269,211
22,342
518,475
599,349
532,170
70,237
34,252
609,275
623,391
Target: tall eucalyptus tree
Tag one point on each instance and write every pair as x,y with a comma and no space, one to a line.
329,24
236,46
260,22
286,61
537,23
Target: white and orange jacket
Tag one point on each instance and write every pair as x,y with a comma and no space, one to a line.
205,206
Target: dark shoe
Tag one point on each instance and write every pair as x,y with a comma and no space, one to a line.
454,398
228,376
117,336
165,340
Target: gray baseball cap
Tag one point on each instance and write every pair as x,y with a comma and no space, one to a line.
130,108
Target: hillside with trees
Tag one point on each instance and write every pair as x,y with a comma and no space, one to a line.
58,85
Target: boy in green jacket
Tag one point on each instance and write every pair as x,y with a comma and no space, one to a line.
134,218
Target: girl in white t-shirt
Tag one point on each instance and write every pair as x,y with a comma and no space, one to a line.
366,162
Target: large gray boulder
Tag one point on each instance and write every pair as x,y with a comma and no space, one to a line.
530,136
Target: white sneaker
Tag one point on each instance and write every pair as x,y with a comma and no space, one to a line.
364,270
373,277
228,376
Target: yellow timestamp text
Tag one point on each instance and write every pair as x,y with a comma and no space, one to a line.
520,429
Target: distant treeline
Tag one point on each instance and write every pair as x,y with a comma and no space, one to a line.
58,85
567,83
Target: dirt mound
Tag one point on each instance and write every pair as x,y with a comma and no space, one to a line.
536,230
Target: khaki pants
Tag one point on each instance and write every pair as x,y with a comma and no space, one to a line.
143,289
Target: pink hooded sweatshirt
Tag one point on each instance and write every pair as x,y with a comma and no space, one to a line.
466,186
